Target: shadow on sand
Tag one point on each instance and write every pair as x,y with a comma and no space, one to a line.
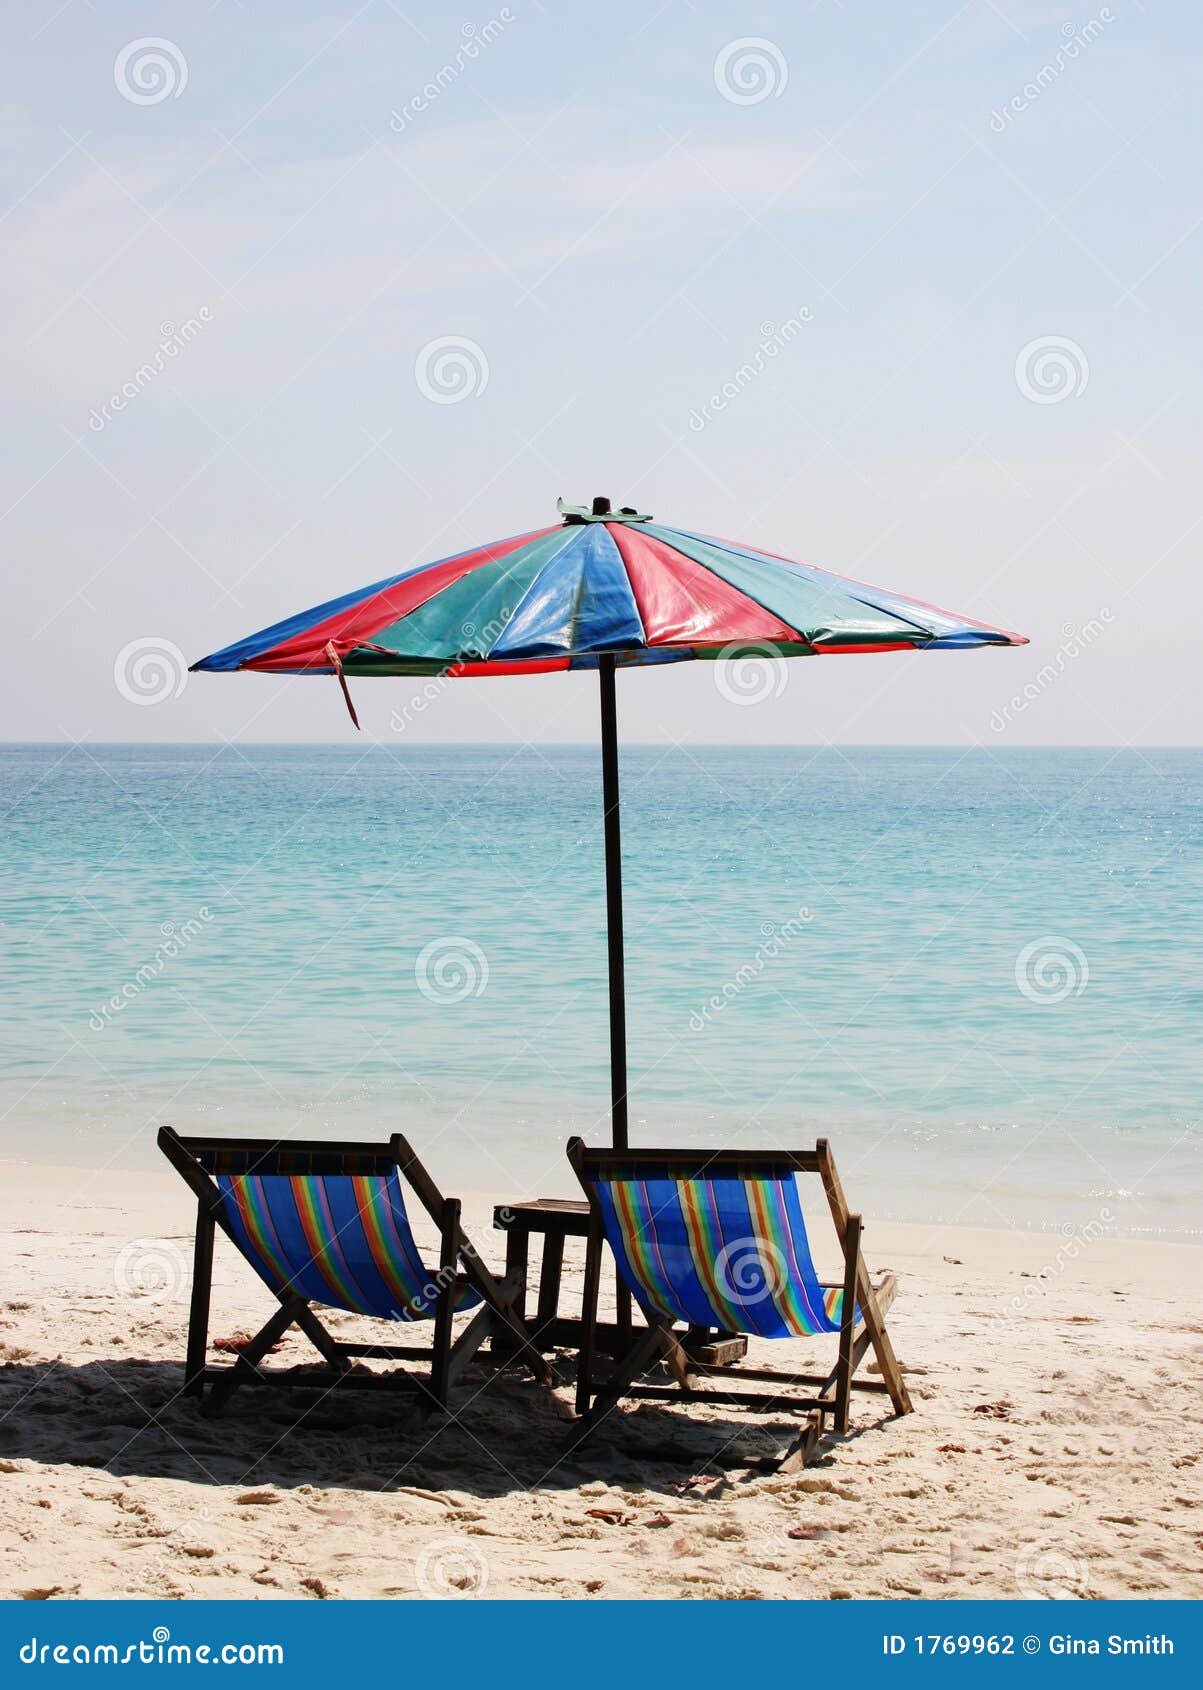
504,1433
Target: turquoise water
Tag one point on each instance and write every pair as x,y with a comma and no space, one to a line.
980,973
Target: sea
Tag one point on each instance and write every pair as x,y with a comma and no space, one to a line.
977,972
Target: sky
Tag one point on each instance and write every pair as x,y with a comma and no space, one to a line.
293,298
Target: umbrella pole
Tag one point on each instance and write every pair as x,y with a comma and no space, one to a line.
618,1004
618,1008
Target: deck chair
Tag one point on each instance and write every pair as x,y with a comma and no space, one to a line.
716,1240
326,1223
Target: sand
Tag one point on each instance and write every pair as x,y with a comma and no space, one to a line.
1053,1450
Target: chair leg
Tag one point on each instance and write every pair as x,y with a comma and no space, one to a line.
677,1359
440,1370
505,1299
637,1360
875,1331
521,1348
321,1340
246,1367
805,1446
468,1342
891,1372
843,1387
870,1313
198,1313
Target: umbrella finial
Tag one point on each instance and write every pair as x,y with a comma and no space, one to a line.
599,511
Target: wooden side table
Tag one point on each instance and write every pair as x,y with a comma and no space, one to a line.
555,1219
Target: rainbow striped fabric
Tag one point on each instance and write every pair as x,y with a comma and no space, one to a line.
729,1251
339,1239
556,598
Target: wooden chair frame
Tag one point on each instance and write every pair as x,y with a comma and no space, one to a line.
459,1264
660,1342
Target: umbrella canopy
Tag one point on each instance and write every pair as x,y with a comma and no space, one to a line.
603,582
601,590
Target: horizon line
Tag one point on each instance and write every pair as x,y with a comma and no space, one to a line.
578,745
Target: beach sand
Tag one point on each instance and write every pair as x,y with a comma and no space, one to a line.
1053,1450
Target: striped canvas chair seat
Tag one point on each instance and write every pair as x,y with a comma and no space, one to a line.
339,1239
729,1250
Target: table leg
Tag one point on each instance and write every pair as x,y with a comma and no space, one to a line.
517,1258
550,1273
517,1252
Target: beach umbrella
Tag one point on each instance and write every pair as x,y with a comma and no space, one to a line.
605,590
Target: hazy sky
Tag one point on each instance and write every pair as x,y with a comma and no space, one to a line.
370,284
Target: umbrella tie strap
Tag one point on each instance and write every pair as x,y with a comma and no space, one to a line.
336,660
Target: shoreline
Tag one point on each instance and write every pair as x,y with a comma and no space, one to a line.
145,1196
1098,1216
